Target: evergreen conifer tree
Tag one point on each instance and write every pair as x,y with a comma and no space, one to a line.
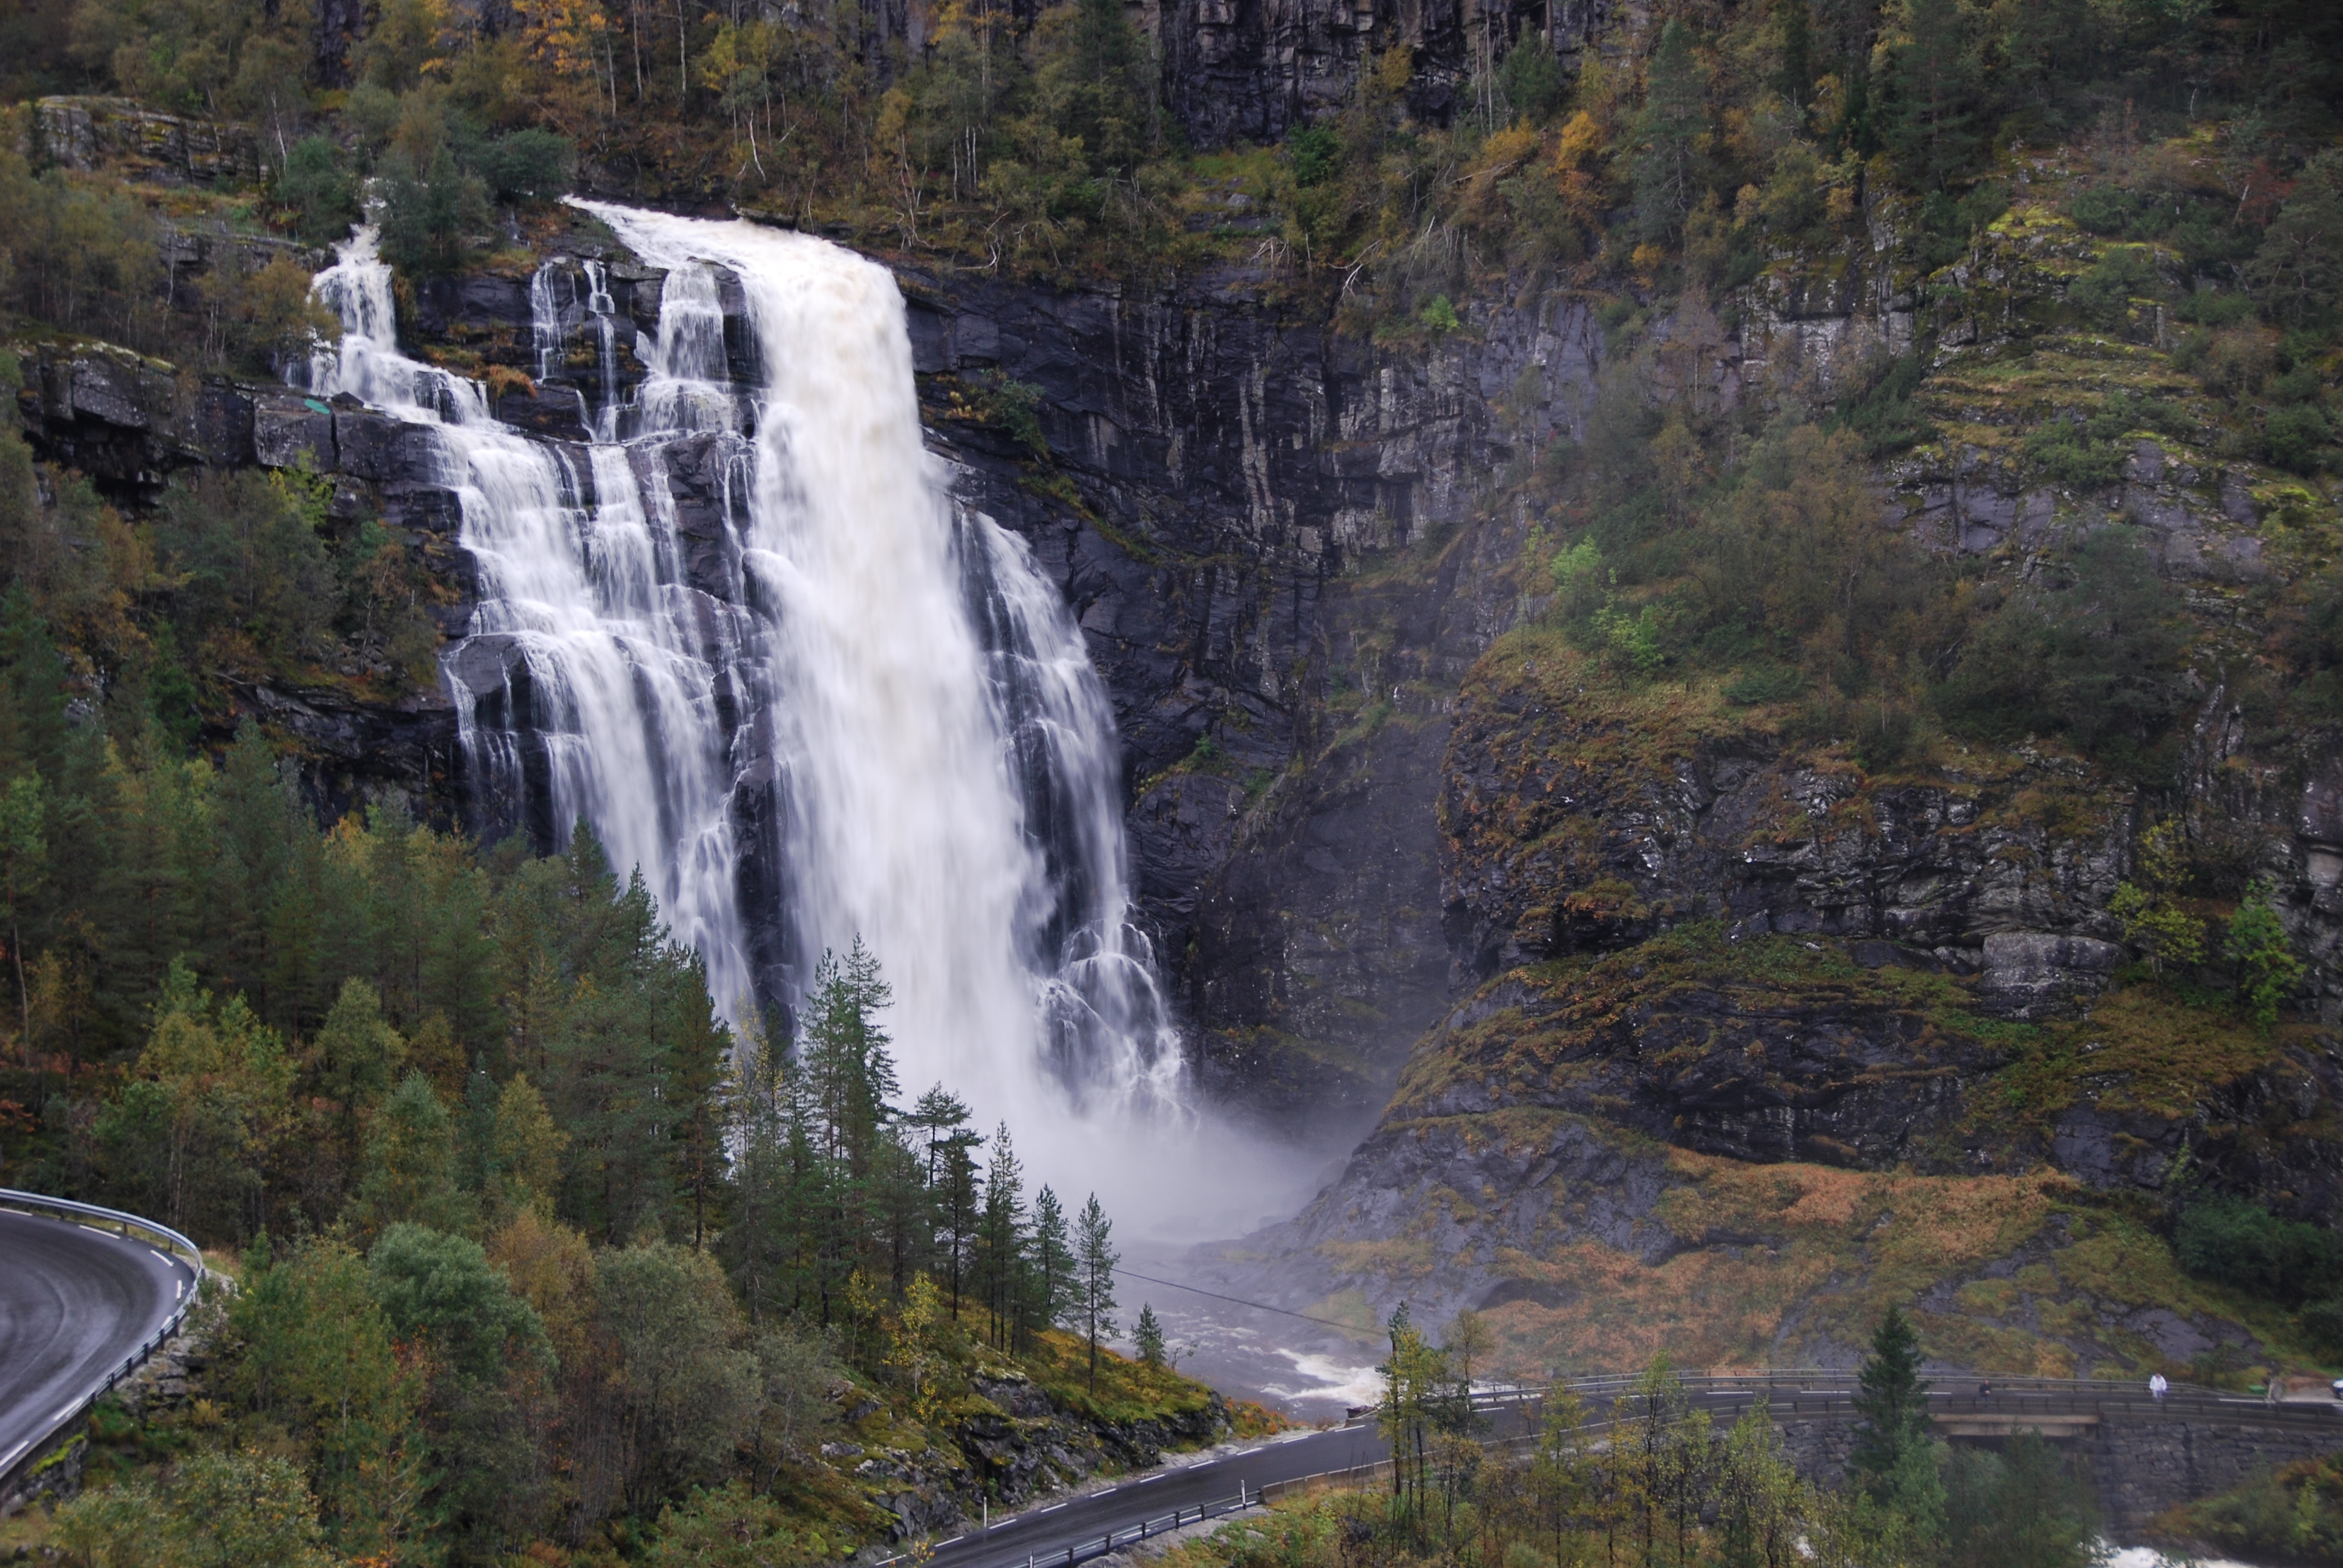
844,1050
1794,78
1891,1399
933,1119
1055,1286
1935,88
959,1208
1001,1241
1149,1336
1097,1258
410,1163
1668,163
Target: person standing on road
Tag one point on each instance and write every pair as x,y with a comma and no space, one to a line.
2157,1385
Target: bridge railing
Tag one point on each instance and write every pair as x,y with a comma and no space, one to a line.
64,1209
1827,1391
1818,1381
1830,1392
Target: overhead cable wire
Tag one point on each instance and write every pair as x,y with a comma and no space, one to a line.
1239,1301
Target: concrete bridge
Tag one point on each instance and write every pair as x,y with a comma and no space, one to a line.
2146,1454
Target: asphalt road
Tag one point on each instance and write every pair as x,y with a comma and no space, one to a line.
1155,1496
74,1303
1040,1533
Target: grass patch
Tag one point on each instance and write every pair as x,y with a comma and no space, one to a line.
1125,1390
2154,1047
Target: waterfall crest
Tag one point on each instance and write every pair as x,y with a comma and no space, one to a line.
750,620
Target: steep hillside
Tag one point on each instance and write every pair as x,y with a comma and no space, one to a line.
1723,616
1808,965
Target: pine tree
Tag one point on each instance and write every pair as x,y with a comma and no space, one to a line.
524,1150
1149,1336
1096,1259
1936,84
1055,1286
844,1049
934,1131
256,814
938,1115
1667,165
1001,1240
357,1059
1794,80
410,1163
957,1203
1891,1397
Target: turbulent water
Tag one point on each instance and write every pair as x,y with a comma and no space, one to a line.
874,680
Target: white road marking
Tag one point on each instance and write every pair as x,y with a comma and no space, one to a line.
158,1256
1052,1508
953,1542
1110,1491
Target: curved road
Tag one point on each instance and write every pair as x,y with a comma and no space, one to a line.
1043,1534
74,1304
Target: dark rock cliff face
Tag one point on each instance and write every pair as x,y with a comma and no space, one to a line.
1237,70
128,423
1218,477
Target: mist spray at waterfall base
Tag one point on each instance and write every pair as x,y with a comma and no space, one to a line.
885,674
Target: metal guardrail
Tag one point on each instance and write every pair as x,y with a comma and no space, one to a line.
1099,1546
96,1219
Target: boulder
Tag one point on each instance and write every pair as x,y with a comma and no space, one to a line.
2040,974
289,429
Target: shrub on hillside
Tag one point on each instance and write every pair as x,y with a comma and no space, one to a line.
2248,1248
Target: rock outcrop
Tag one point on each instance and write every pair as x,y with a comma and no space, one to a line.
84,133
128,423
1013,1445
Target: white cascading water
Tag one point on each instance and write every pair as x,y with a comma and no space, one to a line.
576,581
889,668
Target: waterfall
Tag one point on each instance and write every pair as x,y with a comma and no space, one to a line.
588,684
748,634
947,759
